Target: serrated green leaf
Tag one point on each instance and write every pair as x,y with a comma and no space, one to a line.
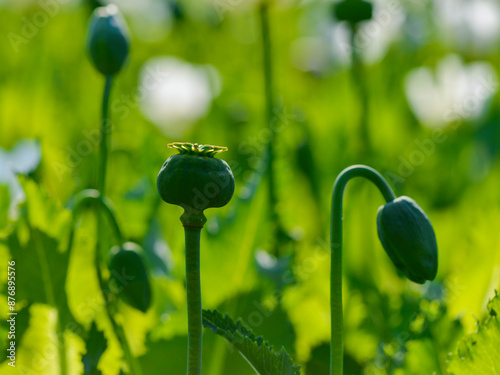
259,354
479,353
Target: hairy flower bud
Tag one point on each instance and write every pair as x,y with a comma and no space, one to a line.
107,40
408,238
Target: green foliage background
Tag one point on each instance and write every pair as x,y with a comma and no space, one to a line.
49,91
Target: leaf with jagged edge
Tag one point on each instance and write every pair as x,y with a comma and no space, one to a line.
259,354
479,353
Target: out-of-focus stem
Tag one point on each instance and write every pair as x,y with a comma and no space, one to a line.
105,130
359,82
269,95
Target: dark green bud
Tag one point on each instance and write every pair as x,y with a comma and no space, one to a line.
107,40
408,238
195,179
353,11
129,276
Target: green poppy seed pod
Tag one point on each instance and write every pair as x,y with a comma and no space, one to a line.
353,11
195,180
408,238
130,277
107,40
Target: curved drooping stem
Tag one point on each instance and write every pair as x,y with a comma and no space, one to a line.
193,287
87,197
337,345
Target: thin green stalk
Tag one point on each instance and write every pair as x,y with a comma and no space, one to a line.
104,141
104,205
269,95
337,343
359,82
193,287
63,361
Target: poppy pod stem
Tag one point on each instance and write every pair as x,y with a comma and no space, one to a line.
193,287
193,222
195,180
337,345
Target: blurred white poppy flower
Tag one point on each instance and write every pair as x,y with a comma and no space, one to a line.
471,23
452,92
22,159
175,94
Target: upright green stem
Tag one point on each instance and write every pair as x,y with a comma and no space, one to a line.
337,343
358,78
193,287
104,141
269,94
105,130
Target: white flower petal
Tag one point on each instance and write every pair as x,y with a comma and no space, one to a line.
175,94
451,92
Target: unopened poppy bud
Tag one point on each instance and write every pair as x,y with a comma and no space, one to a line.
107,40
408,238
130,276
